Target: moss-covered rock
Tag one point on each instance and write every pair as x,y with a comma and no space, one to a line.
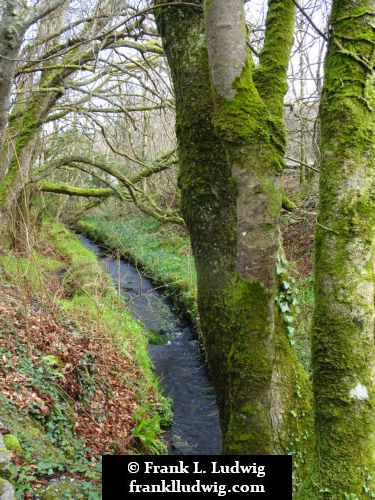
6,490
12,443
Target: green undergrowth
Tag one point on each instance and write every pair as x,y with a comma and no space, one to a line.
52,459
165,258
163,255
305,299
89,280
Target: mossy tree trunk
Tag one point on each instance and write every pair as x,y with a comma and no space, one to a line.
208,198
343,341
17,159
17,136
248,118
230,150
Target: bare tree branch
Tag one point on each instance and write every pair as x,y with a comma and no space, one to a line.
42,10
311,22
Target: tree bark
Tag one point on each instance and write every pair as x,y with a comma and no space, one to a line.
12,30
343,339
231,201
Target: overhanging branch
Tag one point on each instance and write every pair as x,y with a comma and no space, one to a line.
60,188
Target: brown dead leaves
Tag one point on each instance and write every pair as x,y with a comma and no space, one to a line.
98,381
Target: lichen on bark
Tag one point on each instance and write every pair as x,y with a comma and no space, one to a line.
343,337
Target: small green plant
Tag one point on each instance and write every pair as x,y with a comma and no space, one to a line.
12,443
147,431
22,477
286,299
351,496
368,485
295,303
165,410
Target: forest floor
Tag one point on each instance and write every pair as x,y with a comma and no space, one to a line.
76,378
298,227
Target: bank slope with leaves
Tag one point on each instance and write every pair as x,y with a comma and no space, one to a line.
77,379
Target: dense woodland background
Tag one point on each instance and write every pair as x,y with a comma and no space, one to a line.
227,148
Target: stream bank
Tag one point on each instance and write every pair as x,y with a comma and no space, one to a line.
76,378
179,361
155,248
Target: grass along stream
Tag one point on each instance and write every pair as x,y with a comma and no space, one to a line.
179,362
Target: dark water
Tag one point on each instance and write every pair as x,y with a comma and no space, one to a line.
179,362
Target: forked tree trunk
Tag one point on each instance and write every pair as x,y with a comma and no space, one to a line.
231,201
248,118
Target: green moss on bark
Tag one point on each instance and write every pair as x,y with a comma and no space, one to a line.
250,362
55,187
236,315
270,75
242,118
25,129
343,338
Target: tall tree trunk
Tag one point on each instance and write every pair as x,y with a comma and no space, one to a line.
248,118
208,196
231,201
343,342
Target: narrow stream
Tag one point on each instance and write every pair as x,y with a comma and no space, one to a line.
179,362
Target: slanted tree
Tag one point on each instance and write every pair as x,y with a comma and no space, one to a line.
15,19
231,145
124,188
51,65
21,123
343,337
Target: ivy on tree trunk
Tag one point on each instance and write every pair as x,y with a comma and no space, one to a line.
231,145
